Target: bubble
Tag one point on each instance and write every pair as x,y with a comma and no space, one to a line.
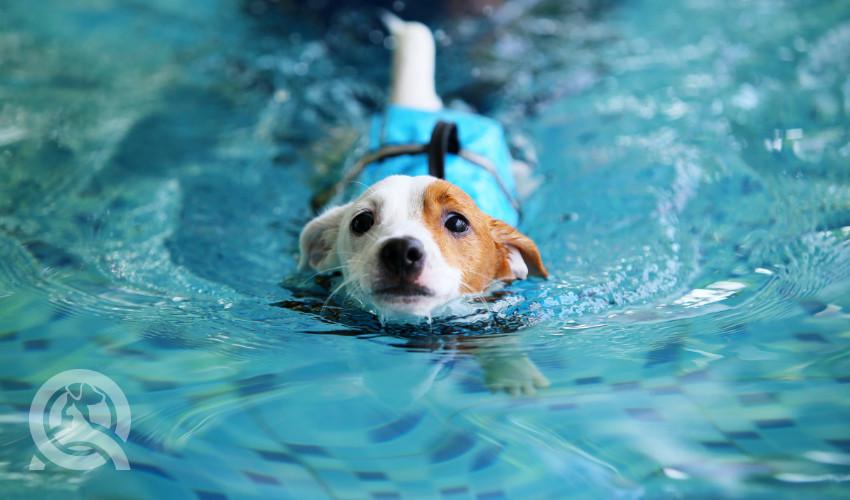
376,37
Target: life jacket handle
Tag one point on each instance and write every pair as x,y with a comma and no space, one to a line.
443,141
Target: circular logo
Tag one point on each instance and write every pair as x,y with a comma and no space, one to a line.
75,418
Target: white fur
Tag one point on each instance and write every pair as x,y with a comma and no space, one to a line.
396,205
328,243
413,65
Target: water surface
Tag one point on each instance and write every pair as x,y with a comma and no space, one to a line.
157,161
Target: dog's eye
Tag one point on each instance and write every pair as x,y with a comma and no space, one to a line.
362,222
457,223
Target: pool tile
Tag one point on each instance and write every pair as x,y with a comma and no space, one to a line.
152,469
209,495
308,449
666,353
741,435
719,445
644,414
457,490
277,456
810,337
775,423
9,337
254,385
157,385
454,446
370,475
260,478
396,428
589,380
8,384
626,386
841,444
757,399
485,458
562,406
36,345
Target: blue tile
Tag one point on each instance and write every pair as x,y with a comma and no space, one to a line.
486,458
371,475
396,428
260,478
775,423
455,446
308,449
136,436
626,386
254,385
644,414
8,384
738,435
664,354
36,345
563,406
588,380
209,495
718,445
810,337
157,385
152,469
841,444
277,456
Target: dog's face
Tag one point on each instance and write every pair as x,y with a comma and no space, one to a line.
411,244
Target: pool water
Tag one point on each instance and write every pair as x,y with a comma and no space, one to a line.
157,161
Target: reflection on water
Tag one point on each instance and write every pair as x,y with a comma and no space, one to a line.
156,165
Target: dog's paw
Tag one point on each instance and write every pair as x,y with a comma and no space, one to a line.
513,374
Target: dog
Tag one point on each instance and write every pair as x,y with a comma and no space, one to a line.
435,223
410,244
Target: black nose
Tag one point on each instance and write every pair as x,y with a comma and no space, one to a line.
403,257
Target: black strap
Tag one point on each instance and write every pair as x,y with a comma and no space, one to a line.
443,140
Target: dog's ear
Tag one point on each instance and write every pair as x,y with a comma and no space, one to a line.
318,241
520,253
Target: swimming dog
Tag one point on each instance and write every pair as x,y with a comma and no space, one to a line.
436,220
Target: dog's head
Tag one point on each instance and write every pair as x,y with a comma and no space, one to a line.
411,244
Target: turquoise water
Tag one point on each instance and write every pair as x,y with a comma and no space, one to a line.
157,160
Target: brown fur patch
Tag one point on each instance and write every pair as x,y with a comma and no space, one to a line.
481,252
504,234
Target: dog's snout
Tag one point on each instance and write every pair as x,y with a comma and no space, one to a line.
403,256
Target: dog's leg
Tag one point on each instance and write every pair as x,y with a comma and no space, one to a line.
506,367
412,82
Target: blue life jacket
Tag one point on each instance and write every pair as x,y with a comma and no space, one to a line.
480,164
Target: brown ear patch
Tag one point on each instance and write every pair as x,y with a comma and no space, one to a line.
481,253
505,235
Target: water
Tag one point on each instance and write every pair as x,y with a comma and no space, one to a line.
157,161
